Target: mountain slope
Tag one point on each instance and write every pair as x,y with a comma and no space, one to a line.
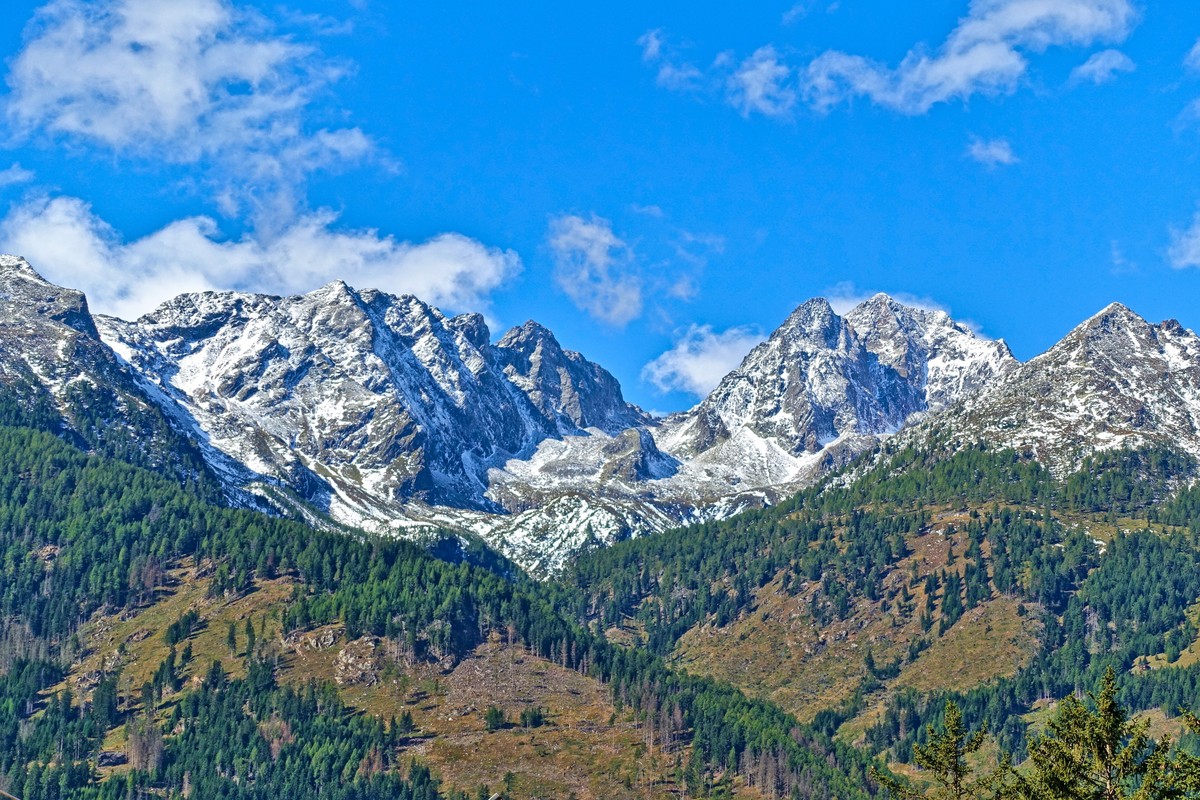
56,374
823,380
943,360
219,649
383,413
356,399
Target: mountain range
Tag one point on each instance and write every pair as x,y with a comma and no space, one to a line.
376,411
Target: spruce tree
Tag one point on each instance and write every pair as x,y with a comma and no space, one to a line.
1098,754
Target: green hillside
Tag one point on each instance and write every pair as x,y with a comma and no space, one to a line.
221,703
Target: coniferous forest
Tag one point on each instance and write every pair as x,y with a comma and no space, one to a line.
85,534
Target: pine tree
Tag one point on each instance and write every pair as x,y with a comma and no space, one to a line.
945,757
494,718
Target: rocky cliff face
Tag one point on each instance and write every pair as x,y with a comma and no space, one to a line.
940,360
57,374
821,378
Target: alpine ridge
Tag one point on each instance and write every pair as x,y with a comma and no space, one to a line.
56,372
381,412
1115,381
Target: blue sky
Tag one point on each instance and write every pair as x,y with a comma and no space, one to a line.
660,184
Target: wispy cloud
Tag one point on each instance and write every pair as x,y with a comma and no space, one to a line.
651,43
991,152
14,175
1184,250
70,244
1121,265
1192,60
700,358
762,84
651,210
1102,67
805,7
798,11
595,268
985,53
202,83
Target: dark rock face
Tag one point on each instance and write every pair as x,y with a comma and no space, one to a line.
55,369
567,389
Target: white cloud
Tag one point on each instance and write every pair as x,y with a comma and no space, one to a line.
1102,67
1121,265
992,152
14,175
651,43
985,53
201,82
672,73
798,11
700,358
681,77
595,269
760,85
1185,245
71,245
651,210
805,7
1192,59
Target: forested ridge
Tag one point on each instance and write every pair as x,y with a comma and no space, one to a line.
82,533
1102,604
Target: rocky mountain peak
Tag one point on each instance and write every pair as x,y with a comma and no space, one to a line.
1115,335
942,359
17,268
563,384
821,378
1114,381
531,332
473,328
28,292
814,322
1113,319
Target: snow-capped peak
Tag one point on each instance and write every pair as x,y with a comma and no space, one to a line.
821,377
1115,380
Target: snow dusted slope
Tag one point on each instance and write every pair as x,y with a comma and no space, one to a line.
1114,381
817,393
822,379
388,415
359,400
941,359
384,413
